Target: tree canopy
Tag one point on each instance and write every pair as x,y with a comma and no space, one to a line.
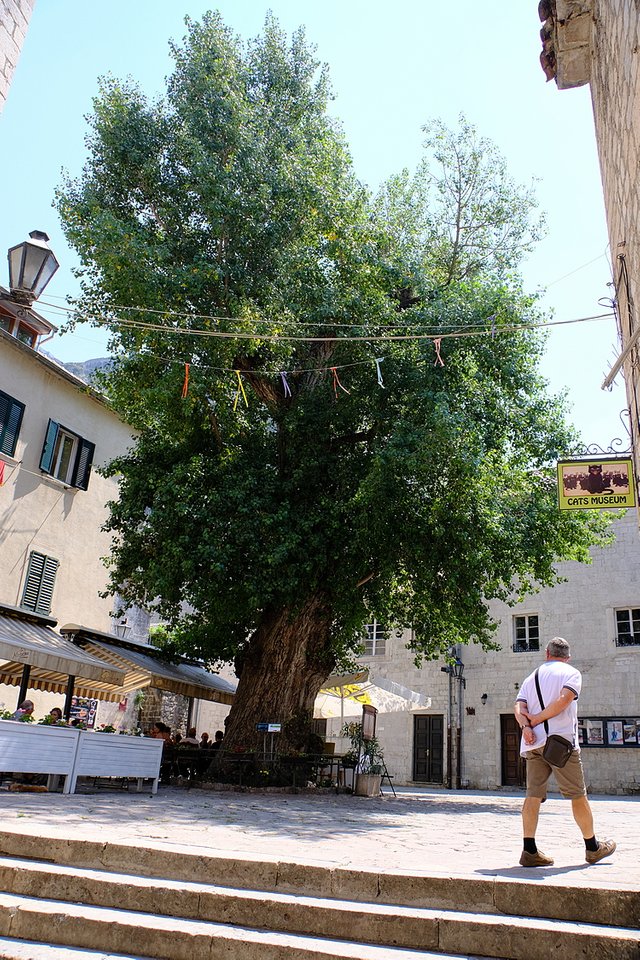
362,430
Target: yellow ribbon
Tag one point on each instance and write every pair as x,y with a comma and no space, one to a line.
239,391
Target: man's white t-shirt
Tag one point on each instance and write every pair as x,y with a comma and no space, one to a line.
553,675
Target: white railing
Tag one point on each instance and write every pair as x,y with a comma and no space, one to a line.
73,753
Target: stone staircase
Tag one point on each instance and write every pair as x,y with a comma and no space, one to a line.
108,900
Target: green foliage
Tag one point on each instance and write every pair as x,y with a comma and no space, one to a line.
230,207
367,754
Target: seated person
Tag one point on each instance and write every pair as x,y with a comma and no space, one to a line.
217,743
24,711
191,739
54,715
205,743
161,732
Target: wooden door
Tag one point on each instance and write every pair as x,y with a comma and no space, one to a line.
513,766
428,748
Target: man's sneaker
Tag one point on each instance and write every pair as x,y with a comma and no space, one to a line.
538,859
605,849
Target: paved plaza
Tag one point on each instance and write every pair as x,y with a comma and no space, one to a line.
432,832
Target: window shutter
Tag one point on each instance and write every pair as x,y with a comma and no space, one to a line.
39,584
82,468
48,583
46,459
11,412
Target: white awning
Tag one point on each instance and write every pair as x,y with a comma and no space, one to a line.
26,639
344,695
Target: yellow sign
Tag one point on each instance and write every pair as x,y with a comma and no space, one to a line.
596,484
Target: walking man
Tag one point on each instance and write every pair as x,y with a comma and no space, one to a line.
560,686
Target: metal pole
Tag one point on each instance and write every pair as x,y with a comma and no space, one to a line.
24,684
67,700
449,736
463,685
459,739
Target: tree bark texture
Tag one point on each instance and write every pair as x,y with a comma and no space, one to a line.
280,673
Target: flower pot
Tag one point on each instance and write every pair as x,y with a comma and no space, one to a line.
368,784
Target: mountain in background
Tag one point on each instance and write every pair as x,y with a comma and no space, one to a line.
85,369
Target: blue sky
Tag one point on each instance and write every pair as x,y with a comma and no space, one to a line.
393,68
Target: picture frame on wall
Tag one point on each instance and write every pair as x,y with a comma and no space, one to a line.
615,736
595,733
609,732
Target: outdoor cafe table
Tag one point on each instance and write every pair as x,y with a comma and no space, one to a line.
72,753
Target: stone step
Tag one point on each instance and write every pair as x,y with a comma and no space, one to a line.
21,950
375,923
283,925
539,897
168,938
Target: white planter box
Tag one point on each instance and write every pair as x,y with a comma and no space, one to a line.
35,748
110,755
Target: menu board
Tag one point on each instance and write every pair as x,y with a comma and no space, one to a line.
84,709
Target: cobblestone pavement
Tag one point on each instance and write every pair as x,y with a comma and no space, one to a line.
433,832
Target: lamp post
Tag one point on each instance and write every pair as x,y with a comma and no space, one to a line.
458,673
31,266
455,670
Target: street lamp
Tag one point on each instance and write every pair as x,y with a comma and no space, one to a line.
31,266
455,669
458,671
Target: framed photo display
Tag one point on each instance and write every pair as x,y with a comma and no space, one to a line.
619,732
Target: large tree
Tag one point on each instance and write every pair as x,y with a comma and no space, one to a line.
331,460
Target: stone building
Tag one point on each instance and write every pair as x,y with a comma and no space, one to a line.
14,22
597,609
598,42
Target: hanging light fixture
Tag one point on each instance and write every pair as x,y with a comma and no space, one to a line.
31,266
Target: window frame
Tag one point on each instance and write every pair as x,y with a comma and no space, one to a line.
10,423
376,635
526,644
633,634
78,472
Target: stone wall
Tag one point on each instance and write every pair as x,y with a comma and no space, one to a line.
615,92
14,21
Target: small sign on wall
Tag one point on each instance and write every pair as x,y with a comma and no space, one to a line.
596,484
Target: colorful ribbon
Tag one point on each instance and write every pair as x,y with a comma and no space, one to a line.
185,385
437,341
378,362
336,382
285,386
239,391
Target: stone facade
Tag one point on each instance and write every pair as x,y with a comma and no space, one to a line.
582,609
598,42
14,22
615,92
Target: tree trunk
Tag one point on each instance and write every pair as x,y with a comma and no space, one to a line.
280,673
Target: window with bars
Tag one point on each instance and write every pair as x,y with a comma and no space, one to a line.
39,583
11,412
375,640
526,633
66,456
628,627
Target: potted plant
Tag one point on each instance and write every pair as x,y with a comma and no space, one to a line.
368,760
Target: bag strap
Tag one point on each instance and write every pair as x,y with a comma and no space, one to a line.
539,692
